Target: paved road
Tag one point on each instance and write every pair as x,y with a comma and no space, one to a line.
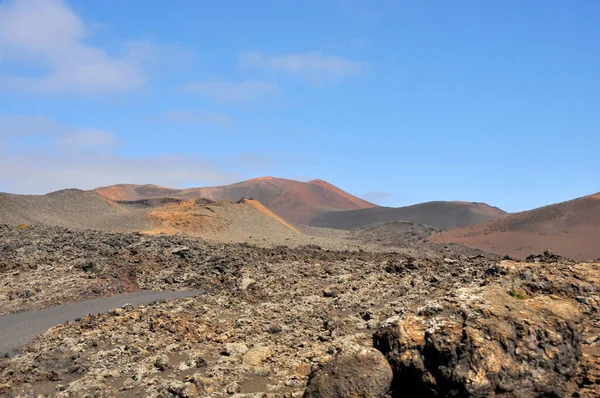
18,329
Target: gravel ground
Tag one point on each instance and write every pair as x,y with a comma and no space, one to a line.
273,316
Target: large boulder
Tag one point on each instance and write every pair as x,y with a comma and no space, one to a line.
481,342
356,371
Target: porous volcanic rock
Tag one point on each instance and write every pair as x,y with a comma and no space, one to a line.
450,310
480,342
356,371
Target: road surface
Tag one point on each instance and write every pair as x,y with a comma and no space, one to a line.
17,330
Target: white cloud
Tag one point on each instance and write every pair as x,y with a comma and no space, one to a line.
188,116
229,91
313,65
50,34
89,138
159,58
19,125
42,172
51,156
62,135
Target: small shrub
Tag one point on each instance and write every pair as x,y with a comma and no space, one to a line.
22,226
517,293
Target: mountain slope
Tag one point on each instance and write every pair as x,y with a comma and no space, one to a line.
76,209
571,229
70,208
294,201
436,214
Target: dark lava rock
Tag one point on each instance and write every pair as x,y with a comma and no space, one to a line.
482,342
548,257
331,291
356,371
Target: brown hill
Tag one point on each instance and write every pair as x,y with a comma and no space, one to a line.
436,214
132,192
295,201
571,229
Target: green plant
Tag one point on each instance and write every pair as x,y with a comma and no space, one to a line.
518,293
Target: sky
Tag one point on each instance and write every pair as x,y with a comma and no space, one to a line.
398,102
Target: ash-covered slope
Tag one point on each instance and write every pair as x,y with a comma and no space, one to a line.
437,214
71,208
223,220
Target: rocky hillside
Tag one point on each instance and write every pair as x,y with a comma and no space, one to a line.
441,215
570,228
226,221
283,322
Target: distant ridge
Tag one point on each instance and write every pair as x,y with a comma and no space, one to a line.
294,201
437,214
571,229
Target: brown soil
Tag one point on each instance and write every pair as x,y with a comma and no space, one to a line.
571,229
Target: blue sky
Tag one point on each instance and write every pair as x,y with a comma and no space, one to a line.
399,102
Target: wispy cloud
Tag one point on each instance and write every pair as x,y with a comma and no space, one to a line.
90,138
86,158
189,116
313,65
41,172
19,125
231,91
49,34
376,196
56,156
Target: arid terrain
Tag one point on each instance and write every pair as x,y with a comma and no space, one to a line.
225,221
296,201
442,215
570,228
299,199
273,320
285,309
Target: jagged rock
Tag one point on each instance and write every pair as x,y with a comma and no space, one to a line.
356,371
161,362
180,250
331,291
234,388
234,349
246,283
182,390
287,311
483,342
255,356
548,257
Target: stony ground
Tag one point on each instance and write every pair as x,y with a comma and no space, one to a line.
275,320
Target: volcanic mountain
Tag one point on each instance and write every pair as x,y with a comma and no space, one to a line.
295,201
222,220
437,214
571,229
